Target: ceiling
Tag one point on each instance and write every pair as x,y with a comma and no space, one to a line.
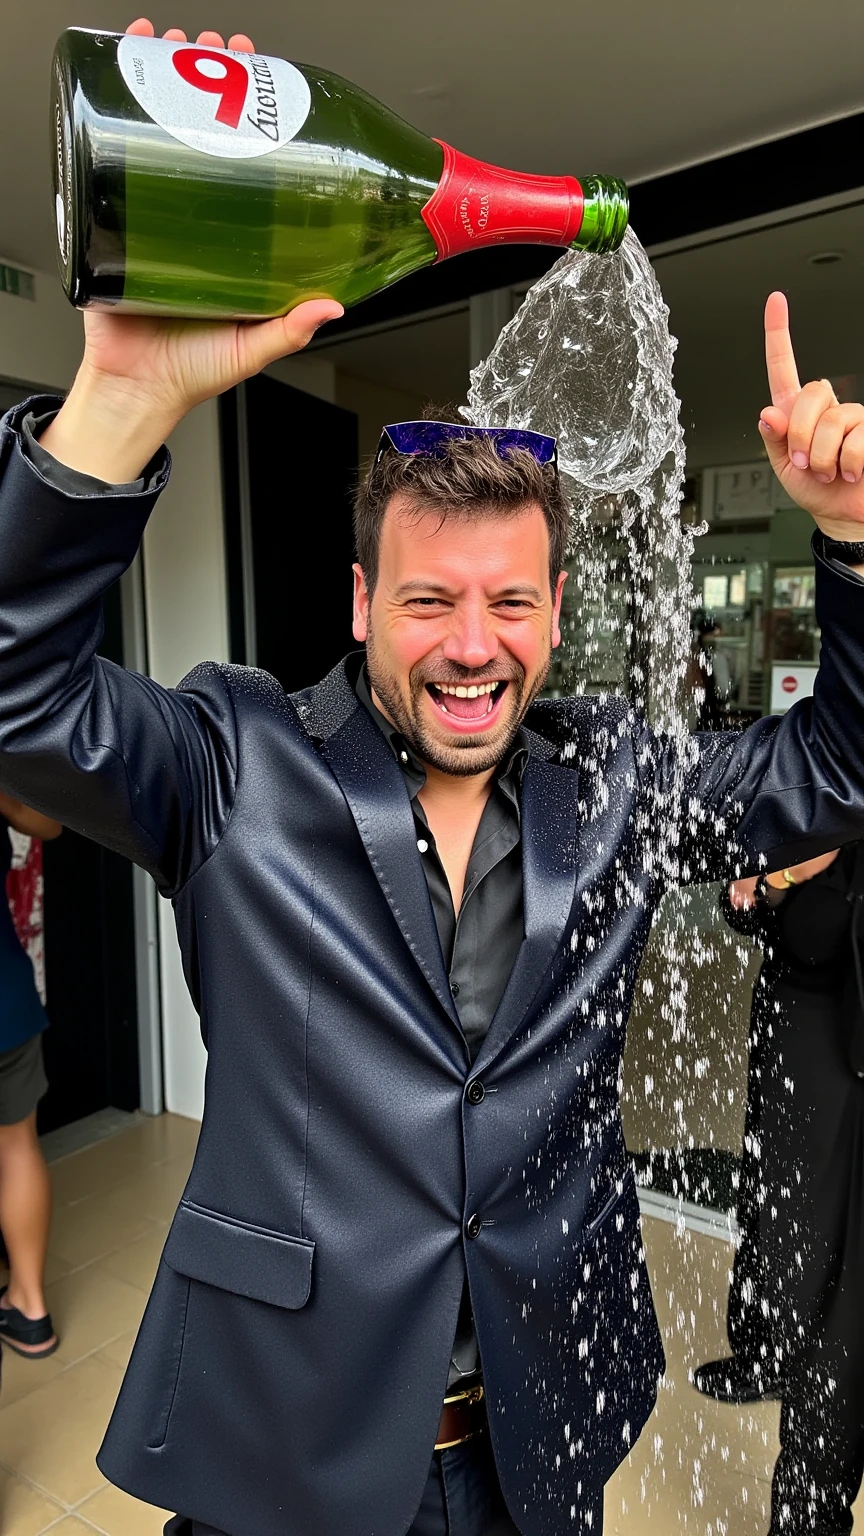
620,85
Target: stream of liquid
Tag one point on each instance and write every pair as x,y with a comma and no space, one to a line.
589,358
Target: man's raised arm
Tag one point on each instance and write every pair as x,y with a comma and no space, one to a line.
790,786
104,751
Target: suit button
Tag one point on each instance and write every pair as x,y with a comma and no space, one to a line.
475,1092
474,1226
454,988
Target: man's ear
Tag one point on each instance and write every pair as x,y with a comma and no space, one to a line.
556,609
361,606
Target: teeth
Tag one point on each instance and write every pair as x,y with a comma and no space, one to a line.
475,691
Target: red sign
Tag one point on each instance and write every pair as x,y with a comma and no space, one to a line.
789,685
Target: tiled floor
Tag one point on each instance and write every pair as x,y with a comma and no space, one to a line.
699,1469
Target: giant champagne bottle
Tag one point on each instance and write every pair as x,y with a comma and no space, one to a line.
201,182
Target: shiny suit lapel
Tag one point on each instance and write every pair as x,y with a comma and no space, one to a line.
375,790
550,821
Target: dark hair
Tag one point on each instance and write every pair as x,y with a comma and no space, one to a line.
469,480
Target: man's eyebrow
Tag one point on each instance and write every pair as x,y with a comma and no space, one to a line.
437,588
408,587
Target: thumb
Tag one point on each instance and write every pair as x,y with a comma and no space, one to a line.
264,341
773,427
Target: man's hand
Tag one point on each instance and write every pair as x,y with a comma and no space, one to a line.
141,376
816,445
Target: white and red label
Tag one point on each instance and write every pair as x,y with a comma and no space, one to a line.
791,682
233,105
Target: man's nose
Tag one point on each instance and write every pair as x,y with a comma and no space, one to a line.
472,641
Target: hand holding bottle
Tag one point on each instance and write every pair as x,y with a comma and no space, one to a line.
140,376
815,444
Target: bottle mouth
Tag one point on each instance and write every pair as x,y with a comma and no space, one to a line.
606,214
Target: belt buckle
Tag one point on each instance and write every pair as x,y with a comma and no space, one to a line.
465,1398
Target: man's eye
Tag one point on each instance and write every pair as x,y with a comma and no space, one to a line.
426,602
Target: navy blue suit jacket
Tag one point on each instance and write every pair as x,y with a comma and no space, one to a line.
289,1372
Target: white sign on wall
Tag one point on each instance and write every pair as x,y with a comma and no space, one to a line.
791,681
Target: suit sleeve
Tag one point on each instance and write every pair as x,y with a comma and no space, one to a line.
147,771
790,787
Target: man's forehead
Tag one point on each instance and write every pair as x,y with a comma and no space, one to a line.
438,530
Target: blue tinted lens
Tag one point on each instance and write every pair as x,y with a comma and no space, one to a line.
431,437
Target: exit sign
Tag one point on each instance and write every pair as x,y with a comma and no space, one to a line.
16,281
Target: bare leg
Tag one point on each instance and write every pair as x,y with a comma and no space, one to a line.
25,1218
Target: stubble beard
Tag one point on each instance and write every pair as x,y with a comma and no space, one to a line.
467,755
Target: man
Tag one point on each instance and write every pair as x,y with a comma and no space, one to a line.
411,902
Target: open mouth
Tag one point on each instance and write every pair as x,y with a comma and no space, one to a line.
473,703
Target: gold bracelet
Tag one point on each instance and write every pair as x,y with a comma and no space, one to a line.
789,877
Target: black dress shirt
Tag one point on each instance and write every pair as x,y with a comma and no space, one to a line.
481,941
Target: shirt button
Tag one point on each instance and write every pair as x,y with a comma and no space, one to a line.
474,1226
422,845
475,1092
454,988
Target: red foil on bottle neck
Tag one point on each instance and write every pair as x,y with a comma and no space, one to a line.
476,204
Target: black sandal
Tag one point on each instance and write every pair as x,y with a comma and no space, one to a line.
16,1329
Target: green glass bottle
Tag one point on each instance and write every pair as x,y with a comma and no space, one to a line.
200,182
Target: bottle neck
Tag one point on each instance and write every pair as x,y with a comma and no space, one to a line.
475,204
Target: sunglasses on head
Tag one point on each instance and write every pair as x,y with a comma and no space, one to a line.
430,438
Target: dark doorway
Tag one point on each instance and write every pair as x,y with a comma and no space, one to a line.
91,1048
290,466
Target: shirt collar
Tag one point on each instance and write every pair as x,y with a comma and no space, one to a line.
508,777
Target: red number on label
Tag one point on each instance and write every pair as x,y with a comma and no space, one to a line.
231,86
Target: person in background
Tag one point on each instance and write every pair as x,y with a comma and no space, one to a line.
794,1318
25,1188
708,678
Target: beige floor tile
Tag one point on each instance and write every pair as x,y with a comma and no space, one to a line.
119,1350
23,1512
137,1264
672,1502
97,1226
20,1377
90,1308
159,1138
113,1512
71,1526
155,1191
51,1437
91,1171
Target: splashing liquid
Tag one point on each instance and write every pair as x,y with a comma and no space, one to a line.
589,358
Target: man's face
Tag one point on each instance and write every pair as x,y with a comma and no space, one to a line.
459,630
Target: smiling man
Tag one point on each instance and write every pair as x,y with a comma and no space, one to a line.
405,1287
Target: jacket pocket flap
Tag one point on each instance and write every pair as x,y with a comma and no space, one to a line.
250,1261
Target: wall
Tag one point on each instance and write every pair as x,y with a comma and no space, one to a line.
41,339
374,405
187,622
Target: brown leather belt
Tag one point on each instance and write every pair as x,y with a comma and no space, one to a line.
462,1417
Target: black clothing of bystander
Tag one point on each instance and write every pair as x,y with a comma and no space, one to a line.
794,1304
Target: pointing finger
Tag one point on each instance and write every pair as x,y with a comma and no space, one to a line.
782,372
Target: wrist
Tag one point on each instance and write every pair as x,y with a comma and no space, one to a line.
108,427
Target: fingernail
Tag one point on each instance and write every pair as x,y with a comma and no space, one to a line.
765,426
823,479
800,460
850,477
